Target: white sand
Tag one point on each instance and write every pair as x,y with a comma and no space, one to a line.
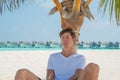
36,61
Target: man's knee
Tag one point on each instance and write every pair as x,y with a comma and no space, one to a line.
93,66
22,71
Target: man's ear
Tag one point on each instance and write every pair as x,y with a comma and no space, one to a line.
74,39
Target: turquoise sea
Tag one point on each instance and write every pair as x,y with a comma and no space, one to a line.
25,49
20,49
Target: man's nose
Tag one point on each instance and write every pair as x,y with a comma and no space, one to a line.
65,39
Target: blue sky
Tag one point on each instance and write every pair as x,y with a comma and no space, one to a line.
32,23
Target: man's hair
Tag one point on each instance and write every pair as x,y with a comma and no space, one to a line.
72,33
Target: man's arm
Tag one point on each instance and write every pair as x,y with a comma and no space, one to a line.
76,75
50,74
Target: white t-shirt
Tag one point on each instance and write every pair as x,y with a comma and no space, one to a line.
63,67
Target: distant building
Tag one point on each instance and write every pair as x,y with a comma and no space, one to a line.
3,45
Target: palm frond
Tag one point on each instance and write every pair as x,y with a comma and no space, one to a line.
117,11
114,9
10,4
101,3
111,7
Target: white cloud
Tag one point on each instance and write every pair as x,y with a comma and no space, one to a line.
45,3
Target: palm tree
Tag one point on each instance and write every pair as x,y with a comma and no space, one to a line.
114,8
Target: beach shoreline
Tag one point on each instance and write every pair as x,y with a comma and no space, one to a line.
36,61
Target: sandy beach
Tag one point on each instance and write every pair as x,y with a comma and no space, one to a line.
36,61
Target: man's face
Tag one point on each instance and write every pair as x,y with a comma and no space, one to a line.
67,40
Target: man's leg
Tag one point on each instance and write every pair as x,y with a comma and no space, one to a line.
24,74
90,72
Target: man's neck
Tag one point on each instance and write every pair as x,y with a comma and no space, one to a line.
68,52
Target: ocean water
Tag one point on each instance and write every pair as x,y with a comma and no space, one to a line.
19,49
56,48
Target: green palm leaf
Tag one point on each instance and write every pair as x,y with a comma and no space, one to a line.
10,4
113,7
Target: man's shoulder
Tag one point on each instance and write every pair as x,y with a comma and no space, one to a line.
80,55
55,54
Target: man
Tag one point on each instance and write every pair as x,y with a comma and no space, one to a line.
65,65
